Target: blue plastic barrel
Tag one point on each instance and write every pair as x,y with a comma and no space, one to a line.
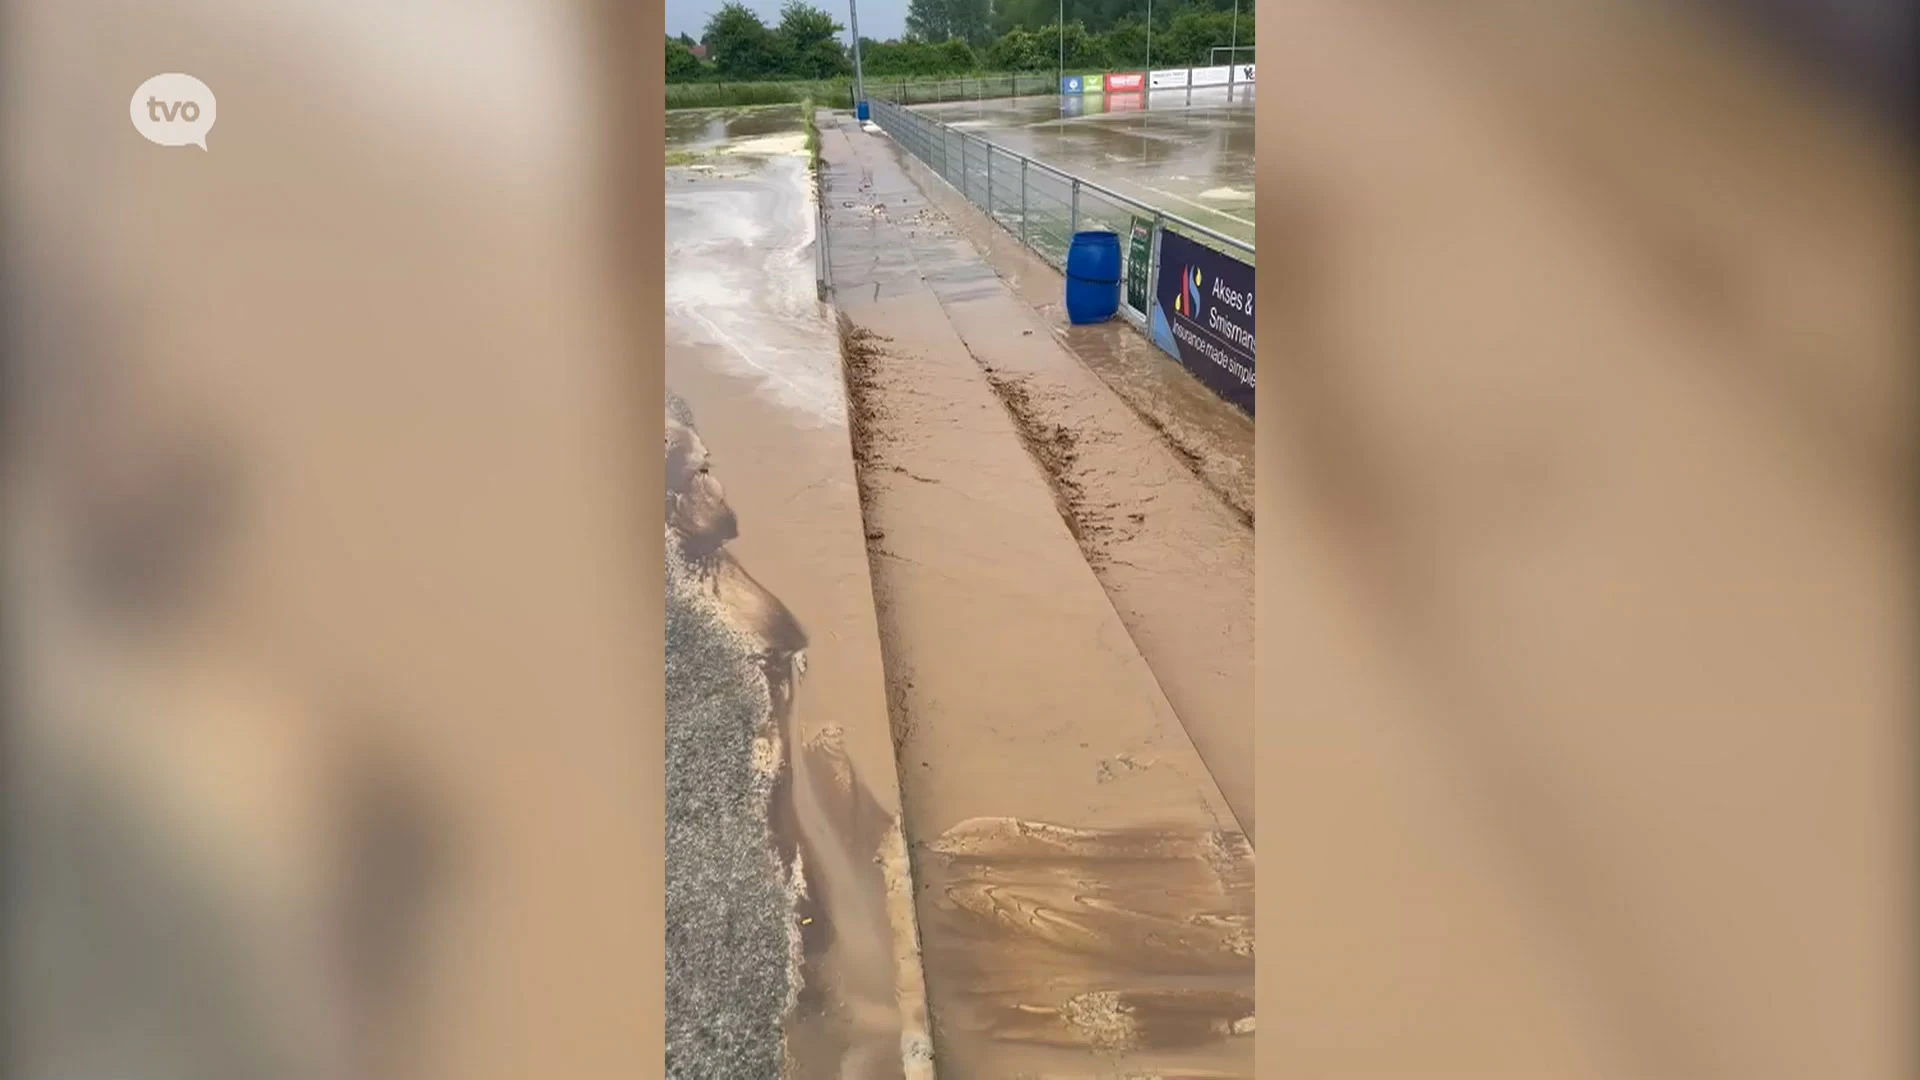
1093,277
860,112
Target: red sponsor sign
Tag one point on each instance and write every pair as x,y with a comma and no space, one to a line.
1132,80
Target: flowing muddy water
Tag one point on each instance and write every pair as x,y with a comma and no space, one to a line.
799,954
1083,887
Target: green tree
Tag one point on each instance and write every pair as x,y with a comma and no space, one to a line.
812,40
935,21
927,20
1020,49
957,37
971,21
956,56
682,65
740,45
1028,15
1125,46
1192,35
1083,49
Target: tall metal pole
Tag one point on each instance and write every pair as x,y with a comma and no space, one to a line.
1150,35
1063,45
853,21
1233,49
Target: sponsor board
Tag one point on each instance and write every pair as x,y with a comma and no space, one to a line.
1070,84
1203,315
1090,84
1132,80
1243,73
1175,79
1212,76
1139,262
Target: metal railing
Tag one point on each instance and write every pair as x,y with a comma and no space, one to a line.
970,88
1040,204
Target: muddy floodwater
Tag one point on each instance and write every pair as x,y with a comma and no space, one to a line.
1189,152
1083,884
1079,899
785,857
691,129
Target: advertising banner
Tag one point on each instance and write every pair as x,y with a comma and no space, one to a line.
1070,84
1172,79
1243,73
1203,315
1090,84
1212,76
1139,262
1132,80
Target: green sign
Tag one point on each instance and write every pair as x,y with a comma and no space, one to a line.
1093,84
1139,263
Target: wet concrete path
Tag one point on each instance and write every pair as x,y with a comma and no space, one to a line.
1084,888
1152,473
764,507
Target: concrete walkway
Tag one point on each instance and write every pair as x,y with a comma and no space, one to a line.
1084,888
1153,471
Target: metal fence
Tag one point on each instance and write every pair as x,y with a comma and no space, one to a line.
1042,205
974,88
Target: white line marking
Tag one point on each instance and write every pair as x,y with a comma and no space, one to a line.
1200,206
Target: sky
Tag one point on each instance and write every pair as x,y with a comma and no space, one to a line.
880,20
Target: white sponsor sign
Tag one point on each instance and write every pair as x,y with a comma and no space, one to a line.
1168,80
1212,76
1243,73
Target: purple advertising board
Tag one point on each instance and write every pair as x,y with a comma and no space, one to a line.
1203,315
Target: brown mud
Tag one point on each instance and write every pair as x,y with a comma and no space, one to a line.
1152,474
753,353
1102,925
1083,887
1048,945
834,839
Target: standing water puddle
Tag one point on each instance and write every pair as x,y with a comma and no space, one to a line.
740,274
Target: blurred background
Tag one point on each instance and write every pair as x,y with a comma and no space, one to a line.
331,692
1586,540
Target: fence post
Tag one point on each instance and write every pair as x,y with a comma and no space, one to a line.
1023,203
1153,267
963,164
989,182
1073,221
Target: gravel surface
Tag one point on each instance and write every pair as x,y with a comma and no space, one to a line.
729,913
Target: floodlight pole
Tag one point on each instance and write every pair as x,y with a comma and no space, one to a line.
853,22
1150,34
1062,25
